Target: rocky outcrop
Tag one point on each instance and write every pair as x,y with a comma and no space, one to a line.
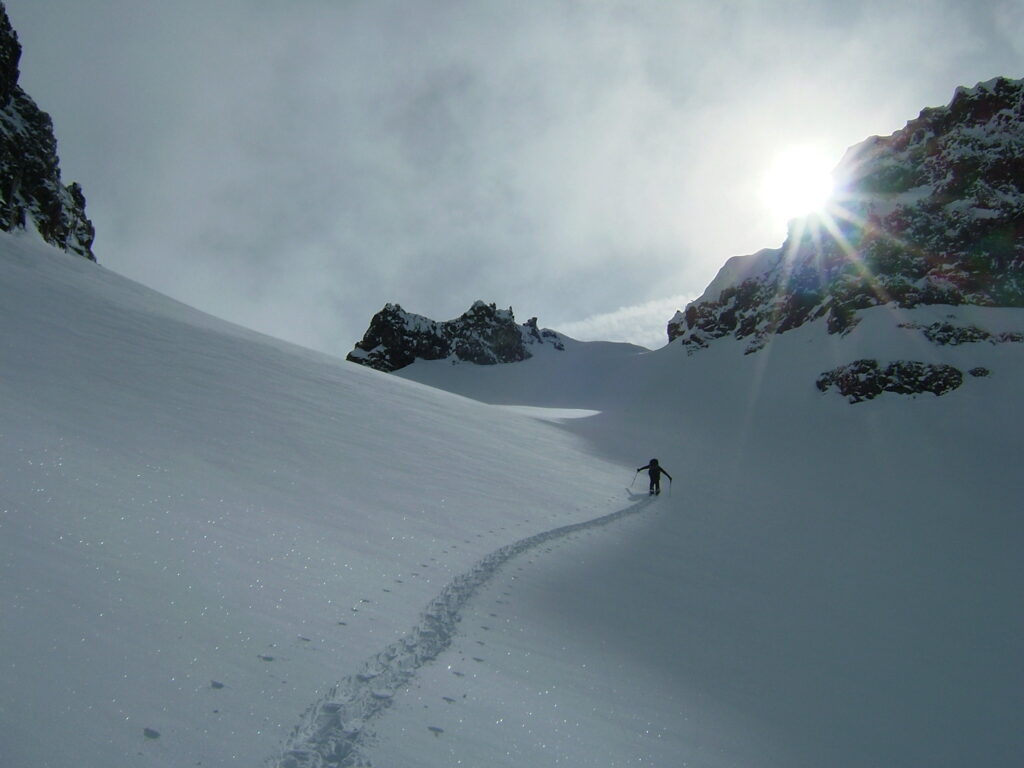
947,334
867,379
31,190
933,214
484,335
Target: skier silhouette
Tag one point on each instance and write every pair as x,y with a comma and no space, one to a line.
655,472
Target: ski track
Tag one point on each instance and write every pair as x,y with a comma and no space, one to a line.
332,729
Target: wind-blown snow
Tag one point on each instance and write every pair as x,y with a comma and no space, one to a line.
206,533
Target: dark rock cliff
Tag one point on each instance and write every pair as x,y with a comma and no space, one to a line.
31,190
484,335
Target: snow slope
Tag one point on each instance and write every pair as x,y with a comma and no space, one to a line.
585,374
381,573
203,529
829,583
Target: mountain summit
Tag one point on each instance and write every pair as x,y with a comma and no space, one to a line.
933,214
31,189
484,335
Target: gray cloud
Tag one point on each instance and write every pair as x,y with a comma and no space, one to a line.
293,166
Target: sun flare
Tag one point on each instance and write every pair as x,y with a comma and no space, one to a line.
797,183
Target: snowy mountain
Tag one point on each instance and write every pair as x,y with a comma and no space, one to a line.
206,533
830,585
31,190
933,214
484,335
826,585
550,367
220,549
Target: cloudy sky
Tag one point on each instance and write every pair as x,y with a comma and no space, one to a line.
294,165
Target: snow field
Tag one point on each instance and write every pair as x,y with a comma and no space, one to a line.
522,687
205,533
334,731
828,584
203,529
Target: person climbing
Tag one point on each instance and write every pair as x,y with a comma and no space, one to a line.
655,472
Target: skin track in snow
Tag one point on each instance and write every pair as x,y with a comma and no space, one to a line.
333,729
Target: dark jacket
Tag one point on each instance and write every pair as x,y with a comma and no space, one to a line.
655,471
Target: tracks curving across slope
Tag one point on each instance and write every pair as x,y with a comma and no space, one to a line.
332,729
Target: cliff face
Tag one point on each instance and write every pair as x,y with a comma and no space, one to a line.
933,214
483,335
31,190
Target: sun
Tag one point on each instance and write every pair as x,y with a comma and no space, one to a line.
798,182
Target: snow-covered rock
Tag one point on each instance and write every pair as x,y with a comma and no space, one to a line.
866,379
484,335
31,190
933,214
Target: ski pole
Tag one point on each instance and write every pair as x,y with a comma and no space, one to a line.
634,478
